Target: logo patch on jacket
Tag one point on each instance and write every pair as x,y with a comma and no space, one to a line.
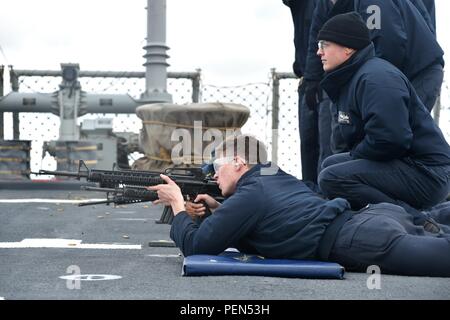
343,118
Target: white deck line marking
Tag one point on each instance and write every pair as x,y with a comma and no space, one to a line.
164,255
90,277
130,219
46,200
65,244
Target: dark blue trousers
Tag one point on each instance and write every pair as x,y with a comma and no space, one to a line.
364,181
428,84
385,235
315,134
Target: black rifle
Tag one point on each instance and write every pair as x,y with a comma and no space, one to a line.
127,186
122,195
127,195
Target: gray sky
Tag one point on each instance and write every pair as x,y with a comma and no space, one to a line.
232,41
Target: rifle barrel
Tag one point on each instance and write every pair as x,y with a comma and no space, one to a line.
63,173
82,204
87,188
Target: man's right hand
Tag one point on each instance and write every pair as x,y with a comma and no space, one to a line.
313,94
198,208
195,209
210,201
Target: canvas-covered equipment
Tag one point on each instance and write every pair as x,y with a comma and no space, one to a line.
181,134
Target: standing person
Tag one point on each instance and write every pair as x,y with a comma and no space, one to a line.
397,153
314,127
398,39
427,12
277,216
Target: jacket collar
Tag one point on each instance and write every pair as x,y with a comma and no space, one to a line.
334,80
253,172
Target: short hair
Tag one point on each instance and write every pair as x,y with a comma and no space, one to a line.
245,146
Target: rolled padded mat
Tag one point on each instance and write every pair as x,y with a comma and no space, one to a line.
235,263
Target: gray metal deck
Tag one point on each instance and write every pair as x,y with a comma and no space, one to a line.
146,273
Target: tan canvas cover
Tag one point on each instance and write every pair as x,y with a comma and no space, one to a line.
164,121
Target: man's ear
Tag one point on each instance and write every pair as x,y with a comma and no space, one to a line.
349,51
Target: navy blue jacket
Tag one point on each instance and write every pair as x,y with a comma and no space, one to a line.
405,38
276,216
301,11
313,67
379,114
426,12
431,8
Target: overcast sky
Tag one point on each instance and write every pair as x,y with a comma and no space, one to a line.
232,41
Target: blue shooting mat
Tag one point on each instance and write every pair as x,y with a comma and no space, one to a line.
235,263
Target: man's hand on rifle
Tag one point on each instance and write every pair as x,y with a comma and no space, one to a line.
197,208
169,194
212,203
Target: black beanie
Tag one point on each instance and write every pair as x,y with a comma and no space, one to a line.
348,30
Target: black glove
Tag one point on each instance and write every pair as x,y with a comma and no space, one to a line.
313,94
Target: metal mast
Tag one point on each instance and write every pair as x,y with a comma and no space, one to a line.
156,56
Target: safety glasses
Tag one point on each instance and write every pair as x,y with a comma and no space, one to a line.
322,44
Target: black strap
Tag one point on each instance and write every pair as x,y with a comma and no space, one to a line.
330,235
